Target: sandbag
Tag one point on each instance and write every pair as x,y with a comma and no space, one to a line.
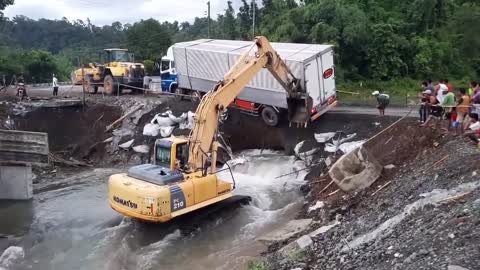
151,130
166,131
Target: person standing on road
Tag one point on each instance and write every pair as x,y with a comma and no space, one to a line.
424,101
383,101
146,83
55,85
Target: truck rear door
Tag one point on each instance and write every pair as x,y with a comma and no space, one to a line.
312,83
328,75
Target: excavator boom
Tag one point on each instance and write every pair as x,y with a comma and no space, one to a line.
203,143
167,189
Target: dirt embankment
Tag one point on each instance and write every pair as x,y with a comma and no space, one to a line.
422,214
72,131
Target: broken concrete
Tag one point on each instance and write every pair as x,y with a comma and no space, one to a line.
301,243
356,170
323,229
16,183
456,267
144,149
126,145
23,147
290,229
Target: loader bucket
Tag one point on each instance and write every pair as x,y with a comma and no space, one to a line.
299,109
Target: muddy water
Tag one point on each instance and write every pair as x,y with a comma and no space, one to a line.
73,227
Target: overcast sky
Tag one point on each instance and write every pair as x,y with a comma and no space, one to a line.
103,12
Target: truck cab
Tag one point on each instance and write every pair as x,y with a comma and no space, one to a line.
168,74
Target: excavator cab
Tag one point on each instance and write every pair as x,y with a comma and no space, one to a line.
171,153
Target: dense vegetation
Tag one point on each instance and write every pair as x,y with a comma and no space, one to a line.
374,39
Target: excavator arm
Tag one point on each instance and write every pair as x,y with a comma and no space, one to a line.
203,144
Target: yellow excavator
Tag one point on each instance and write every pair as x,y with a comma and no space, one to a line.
183,176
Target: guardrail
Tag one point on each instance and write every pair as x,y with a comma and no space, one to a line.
23,147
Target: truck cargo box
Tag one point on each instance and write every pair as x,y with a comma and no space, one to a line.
200,64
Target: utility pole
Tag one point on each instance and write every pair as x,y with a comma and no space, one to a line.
208,18
253,18
83,86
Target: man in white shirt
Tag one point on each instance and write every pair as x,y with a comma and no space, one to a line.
55,85
441,90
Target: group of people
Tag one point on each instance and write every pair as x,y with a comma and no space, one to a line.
453,109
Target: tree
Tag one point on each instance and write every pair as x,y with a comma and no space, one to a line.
245,20
148,39
4,4
229,22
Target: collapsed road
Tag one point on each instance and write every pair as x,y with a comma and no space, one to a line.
68,224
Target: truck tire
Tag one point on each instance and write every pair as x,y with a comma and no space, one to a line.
270,116
179,93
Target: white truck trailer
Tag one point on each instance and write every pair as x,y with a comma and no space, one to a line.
199,65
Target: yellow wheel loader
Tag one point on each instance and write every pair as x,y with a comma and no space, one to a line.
118,72
183,177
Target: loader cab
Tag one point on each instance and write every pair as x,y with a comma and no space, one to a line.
171,153
118,55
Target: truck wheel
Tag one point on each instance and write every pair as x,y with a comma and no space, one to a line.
179,93
89,85
270,116
109,85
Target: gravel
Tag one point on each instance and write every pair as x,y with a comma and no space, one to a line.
440,235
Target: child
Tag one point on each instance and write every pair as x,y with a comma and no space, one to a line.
454,120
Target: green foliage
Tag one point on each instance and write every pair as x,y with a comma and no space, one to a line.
296,256
379,40
37,65
148,39
4,4
149,66
258,266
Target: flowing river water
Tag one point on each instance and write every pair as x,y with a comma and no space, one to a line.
71,226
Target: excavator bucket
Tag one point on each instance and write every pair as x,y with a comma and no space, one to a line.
299,109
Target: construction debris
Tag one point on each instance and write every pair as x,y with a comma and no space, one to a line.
70,162
126,145
112,125
356,170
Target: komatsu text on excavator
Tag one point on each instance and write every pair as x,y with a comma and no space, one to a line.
183,177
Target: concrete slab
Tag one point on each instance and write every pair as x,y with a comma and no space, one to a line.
23,147
54,103
356,170
16,182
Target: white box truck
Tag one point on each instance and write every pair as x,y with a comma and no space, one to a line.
199,65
